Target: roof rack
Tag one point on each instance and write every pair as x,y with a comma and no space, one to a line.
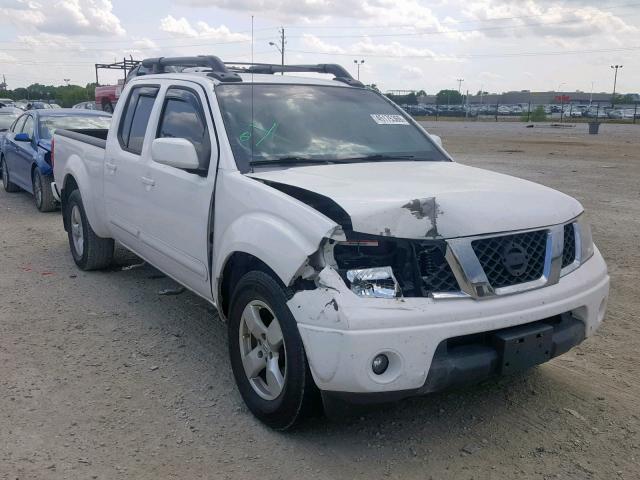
219,70
340,73
228,71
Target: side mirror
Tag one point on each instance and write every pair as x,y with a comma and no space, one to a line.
22,137
175,152
436,139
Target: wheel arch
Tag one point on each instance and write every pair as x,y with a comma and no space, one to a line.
236,266
69,184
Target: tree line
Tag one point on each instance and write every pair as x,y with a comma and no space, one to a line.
64,95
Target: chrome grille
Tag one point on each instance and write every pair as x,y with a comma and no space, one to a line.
569,247
512,259
435,271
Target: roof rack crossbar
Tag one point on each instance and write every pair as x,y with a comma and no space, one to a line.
336,70
218,68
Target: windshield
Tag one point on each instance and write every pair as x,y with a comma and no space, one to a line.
302,123
48,125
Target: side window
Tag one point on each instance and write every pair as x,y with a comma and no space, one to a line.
28,126
17,125
183,117
135,118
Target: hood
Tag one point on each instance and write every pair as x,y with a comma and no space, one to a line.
428,199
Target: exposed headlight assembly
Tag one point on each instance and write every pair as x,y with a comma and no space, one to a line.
378,282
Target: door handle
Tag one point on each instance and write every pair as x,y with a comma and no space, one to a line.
112,167
148,181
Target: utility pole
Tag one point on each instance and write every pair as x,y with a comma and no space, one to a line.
615,79
280,47
358,63
282,42
459,80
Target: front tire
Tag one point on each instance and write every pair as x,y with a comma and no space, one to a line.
89,251
267,355
42,192
8,185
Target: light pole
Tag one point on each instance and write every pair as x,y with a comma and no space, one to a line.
280,47
358,63
615,79
561,102
459,80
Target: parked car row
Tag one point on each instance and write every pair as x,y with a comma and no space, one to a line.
567,110
25,147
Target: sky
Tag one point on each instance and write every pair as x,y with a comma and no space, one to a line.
493,45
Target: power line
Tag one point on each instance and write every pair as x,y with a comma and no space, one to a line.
481,55
518,17
442,32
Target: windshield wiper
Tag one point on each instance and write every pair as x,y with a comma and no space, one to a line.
378,156
292,160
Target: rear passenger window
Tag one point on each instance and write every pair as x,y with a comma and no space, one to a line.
135,119
183,117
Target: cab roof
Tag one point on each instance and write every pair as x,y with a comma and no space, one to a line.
246,78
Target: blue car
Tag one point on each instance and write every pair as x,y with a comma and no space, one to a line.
25,151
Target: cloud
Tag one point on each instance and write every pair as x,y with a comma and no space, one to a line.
69,17
318,45
545,20
415,72
284,8
368,47
181,27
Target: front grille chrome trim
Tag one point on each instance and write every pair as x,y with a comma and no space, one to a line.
473,280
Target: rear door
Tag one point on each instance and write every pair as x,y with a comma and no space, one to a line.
178,202
124,166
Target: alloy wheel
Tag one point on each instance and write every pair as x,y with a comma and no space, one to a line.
262,350
77,233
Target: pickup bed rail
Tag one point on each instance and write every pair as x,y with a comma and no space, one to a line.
93,136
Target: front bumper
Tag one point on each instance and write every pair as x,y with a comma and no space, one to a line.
342,333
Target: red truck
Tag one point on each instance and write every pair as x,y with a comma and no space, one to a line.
107,95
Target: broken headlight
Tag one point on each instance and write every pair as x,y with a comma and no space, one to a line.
380,266
376,282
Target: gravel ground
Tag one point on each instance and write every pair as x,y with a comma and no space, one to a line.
101,377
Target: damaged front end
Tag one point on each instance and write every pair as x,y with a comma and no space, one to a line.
387,267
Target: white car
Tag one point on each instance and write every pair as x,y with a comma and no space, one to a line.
352,258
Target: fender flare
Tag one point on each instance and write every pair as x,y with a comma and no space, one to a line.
273,234
76,169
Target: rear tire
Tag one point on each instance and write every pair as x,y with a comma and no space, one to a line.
42,192
89,251
107,107
6,179
280,391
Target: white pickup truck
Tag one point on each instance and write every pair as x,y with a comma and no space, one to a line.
352,258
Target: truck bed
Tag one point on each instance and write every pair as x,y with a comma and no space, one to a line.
93,136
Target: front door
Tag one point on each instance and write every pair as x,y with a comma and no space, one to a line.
175,227
125,165
25,153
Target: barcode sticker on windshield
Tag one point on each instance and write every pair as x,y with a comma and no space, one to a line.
385,119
